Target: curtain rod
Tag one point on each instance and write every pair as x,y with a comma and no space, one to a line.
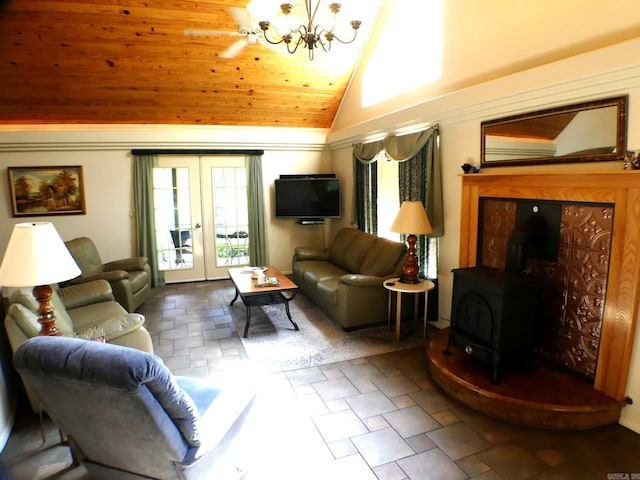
181,151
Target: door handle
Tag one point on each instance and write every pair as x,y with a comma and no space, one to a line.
198,226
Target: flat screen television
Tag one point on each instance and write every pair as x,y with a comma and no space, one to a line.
307,197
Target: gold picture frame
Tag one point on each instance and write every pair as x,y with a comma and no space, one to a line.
40,191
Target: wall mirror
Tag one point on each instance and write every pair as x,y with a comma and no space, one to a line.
585,132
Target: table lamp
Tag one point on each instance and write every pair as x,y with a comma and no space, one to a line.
411,220
36,255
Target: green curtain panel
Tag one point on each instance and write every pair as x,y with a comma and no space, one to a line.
366,192
144,214
365,202
258,246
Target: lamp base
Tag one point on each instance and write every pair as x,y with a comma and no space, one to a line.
409,280
411,269
46,318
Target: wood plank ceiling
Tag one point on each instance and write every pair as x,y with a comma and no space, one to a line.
129,62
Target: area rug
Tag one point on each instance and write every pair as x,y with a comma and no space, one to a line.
275,345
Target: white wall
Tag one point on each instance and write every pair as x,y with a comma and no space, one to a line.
284,233
599,74
105,155
480,41
107,183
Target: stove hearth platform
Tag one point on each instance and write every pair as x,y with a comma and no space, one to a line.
544,395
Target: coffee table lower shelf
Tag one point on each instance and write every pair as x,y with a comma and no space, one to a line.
261,299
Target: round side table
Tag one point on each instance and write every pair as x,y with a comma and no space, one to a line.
394,285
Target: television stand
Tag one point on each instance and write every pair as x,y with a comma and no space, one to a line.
310,221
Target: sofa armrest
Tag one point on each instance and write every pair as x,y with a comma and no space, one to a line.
360,280
113,328
112,276
309,253
127,264
75,296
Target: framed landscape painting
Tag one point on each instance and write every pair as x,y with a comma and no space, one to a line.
38,191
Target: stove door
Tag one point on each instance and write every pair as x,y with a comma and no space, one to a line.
473,316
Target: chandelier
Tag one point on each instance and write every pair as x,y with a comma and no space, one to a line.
309,35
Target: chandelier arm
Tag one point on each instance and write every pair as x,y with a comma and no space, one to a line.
271,41
297,43
317,36
264,26
355,34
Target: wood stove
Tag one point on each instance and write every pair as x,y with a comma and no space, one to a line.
493,315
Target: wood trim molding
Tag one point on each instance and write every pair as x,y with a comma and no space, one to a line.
622,188
48,138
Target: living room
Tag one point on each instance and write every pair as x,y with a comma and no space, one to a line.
494,65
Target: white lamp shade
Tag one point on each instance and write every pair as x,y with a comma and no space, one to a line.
36,255
412,219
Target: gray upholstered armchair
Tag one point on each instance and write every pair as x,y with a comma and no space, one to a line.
126,415
130,278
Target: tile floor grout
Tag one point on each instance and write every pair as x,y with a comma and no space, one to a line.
376,417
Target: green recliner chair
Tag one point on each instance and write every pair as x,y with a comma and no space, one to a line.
130,278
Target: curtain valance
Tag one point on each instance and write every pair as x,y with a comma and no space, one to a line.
395,147
368,152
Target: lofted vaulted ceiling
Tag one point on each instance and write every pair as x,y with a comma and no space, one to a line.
130,62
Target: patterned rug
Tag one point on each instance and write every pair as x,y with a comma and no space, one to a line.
275,345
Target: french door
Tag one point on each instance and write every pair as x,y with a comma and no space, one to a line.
201,216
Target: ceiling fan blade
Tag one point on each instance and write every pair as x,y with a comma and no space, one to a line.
210,33
244,19
234,49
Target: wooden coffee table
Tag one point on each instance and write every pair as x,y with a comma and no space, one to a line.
253,295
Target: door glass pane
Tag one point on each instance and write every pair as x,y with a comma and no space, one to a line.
230,215
173,218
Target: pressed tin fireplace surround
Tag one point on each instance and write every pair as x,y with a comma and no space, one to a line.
615,191
571,272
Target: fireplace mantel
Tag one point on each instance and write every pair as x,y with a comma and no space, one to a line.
621,188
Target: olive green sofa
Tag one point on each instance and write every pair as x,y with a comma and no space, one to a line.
345,279
87,311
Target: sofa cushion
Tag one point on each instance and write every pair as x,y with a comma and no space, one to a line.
24,297
383,257
315,272
349,249
63,320
85,317
328,290
25,318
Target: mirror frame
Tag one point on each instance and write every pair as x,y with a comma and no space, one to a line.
621,134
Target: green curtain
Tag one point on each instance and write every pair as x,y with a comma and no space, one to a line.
144,214
258,246
419,180
425,143
365,203
412,186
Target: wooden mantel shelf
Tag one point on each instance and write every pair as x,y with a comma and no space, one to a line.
618,187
